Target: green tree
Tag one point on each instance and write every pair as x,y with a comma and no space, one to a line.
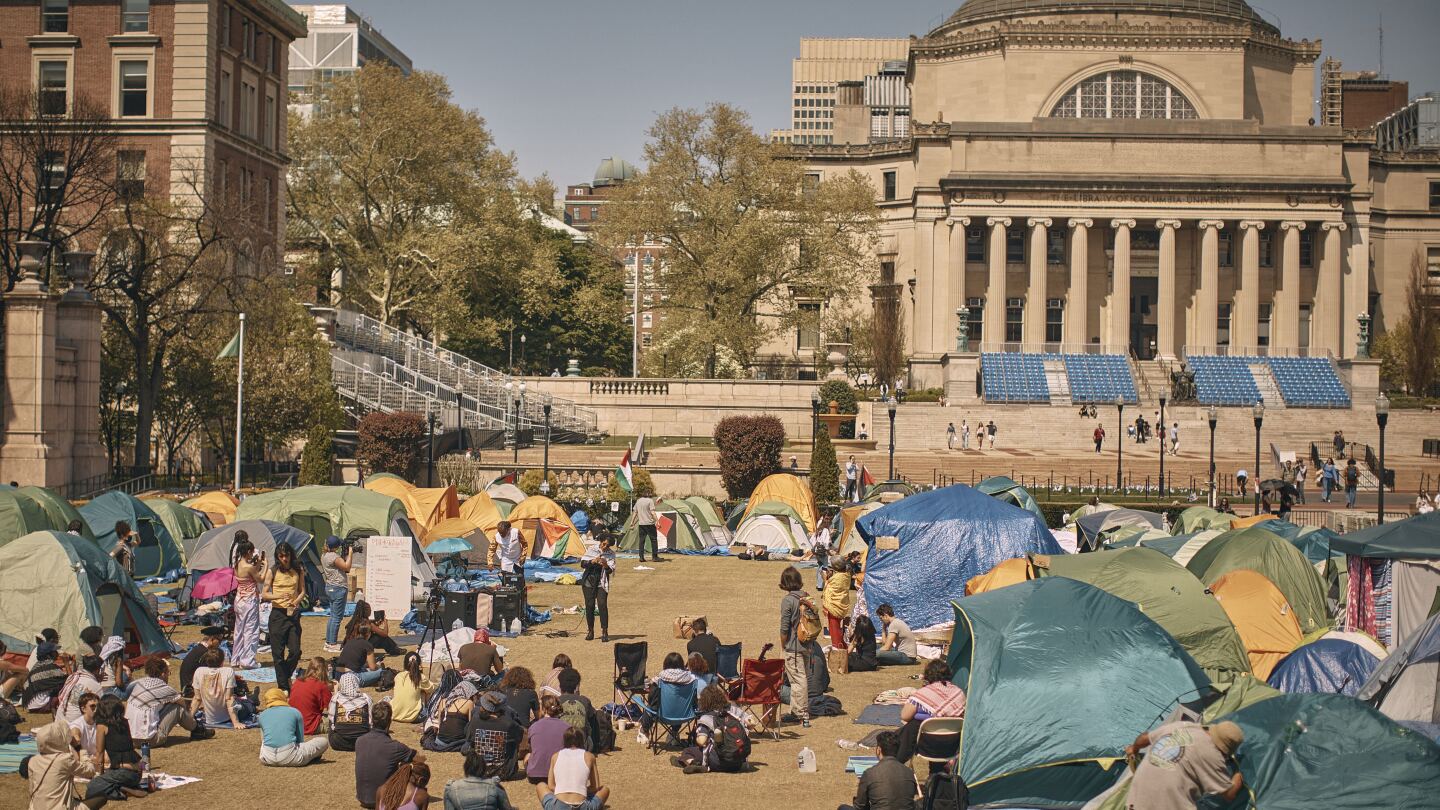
644,485
317,460
744,228
529,483
824,470
748,450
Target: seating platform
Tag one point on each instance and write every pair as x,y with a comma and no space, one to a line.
1099,378
1014,377
1303,382
1093,378
1223,380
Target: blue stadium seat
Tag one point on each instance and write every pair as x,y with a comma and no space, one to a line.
1224,380
1309,382
1014,377
1099,378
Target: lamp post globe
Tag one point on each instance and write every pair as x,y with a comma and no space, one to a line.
1213,417
890,406
1119,443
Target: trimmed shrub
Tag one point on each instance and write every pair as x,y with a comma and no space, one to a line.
824,471
749,449
391,443
317,460
529,483
845,398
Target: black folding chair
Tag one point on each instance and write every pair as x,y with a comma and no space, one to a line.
727,661
630,669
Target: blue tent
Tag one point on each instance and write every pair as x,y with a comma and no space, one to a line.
1313,542
1330,665
924,548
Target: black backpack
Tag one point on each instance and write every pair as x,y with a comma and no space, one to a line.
731,743
946,791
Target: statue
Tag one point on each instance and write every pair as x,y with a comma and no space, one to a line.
1182,385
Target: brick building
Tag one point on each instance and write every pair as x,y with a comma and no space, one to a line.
195,91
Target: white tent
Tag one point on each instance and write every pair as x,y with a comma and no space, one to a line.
1194,544
781,535
1406,686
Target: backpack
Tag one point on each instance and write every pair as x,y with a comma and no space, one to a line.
573,713
807,626
946,791
1352,475
731,743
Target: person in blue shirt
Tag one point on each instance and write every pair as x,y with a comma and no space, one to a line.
480,789
282,729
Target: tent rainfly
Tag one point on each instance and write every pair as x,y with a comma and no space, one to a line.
159,551
789,490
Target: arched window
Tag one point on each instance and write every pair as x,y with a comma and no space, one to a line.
1124,94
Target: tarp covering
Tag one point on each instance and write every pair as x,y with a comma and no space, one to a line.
58,511
1093,527
185,524
1199,518
20,516
212,550
1406,686
158,551
1006,489
1057,671
51,579
1166,592
923,549
219,505
1416,538
1331,665
789,490
1266,622
1308,751
1259,550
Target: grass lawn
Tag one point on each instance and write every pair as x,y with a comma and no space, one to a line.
740,599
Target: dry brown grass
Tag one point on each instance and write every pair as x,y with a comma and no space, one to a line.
740,599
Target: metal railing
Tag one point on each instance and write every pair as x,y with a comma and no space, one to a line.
1053,348
1255,351
400,389
1372,463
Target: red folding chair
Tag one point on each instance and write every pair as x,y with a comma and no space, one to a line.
760,691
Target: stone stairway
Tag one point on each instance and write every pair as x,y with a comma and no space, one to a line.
1269,389
1058,381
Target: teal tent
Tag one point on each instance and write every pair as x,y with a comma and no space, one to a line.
1006,489
59,511
159,552
1416,538
20,516
1306,751
1312,541
185,524
1060,676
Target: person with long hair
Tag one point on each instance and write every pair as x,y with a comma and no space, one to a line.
794,607
520,696
672,671
411,690
937,698
480,789
116,757
574,781
863,649
250,571
542,739
700,668
405,789
285,591
559,664
310,693
837,599
379,630
598,565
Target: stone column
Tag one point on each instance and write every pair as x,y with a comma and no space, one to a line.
1165,306
958,226
924,289
995,292
31,404
1285,314
78,326
1035,293
1356,286
1327,328
1207,292
1077,308
941,313
1245,315
1120,286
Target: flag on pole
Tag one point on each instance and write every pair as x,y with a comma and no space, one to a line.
866,479
624,474
505,478
232,349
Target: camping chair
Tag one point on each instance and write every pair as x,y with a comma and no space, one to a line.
760,691
630,669
727,661
938,740
676,717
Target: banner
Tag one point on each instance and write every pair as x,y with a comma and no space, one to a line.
387,575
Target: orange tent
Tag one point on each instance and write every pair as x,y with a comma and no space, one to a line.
425,507
1010,572
217,505
1266,622
1245,523
480,510
531,515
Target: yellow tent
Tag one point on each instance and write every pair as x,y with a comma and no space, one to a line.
481,510
1266,622
850,539
530,517
1245,523
217,505
1010,572
425,507
789,490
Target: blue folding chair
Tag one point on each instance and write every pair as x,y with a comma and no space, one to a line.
676,717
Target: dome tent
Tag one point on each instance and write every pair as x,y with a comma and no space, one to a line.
217,505
185,524
923,549
789,490
51,579
1328,665
714,521
1094,528
1006,489
1406,685
211,551
1266,622
20,516
1277,560
59,511
675,530
158,553
546,528
1199,518
775,525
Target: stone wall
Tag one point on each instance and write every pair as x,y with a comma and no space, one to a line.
680,408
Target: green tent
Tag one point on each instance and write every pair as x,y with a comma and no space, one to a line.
714,521
185,524
58,511
19,516
1132,536
1198,518
684,534
1318,750
51,579
1166,592
1416,538
1270,555
1012,493
1313,541
1236,695
774,525
1060,677
159,552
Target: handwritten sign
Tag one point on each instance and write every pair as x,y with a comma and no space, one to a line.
387,574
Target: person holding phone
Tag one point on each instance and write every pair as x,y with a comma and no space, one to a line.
285,591
250,572
598,564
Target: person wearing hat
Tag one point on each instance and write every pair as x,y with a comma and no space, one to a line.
335,568
493,733
210,639
282,742
1185,762
54,772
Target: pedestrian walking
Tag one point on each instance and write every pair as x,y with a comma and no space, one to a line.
1099,438
1301,472
990,428
1329,479
1175,439
1352,483
950,437
964,435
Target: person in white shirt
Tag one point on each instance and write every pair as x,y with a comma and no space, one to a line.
964,434
509,551
1175,439
852,476
214,690
1423,504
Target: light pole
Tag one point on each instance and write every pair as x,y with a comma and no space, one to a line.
814,412
460,419
545,465
1382,416
512,422
519,402
430,456
1259,412
522,352
1119,442
1214,416
1164,395
890,405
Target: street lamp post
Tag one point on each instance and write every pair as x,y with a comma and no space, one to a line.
1119,441
1164,395
430,455
460,419
545,465
1214,417
519,402
1382,417
522,352
890,406
1259,412
814,412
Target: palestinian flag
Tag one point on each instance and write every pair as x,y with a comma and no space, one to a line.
624,474
508,478
866,479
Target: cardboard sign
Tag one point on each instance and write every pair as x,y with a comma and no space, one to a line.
887,542
387,574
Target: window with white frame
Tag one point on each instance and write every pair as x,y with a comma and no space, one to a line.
50,178
1124,94
134,88
53,92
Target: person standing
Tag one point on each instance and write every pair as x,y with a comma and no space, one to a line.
797,617
964,434
509,551
1352,482
837,600
645,524
1302,470
1099,438
950,437
125,543
1175,439
1329,479
285,590
990,428
334,569
250,573
1339,441
852,477
598,565
1241,477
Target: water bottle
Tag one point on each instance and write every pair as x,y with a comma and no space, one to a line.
145,758
805,760
515,626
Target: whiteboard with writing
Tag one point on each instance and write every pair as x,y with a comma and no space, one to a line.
387,574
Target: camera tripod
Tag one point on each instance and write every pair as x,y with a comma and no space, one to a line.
434,627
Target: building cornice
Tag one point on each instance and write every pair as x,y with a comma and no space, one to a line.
1111,36
986,187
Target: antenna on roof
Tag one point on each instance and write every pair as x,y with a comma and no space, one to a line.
1382,44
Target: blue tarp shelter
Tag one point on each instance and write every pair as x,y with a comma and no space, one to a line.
1330,666
923,549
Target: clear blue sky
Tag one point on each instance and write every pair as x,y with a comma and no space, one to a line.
565,83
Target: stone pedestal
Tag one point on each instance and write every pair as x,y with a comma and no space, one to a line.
1363,378
962,372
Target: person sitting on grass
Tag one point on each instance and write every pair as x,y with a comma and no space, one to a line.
574,780
55,771
379,629
358,657
84,681
519,688
155,708
898,647
494,733
351,714
83,727
888,784
116,756
405,789
310,693
481,657
282,734
12,674
214,691
411,691
559,664
377,757
480,789
937,698
863,650
576,709
700,757
542,739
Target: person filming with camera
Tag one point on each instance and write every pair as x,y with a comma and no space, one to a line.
598,564
335,566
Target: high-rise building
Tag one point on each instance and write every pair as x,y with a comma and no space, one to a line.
815,78
339,41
